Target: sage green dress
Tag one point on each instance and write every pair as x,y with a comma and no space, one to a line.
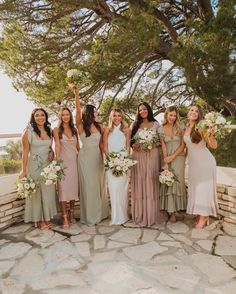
42,205
173,198
92,181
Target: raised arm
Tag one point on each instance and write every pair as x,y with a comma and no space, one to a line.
25,154
211,141
78,117
57,142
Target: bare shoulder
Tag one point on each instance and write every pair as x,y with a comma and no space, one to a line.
25,134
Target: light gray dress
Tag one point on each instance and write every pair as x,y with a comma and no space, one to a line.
202,198
173,198
92,181
42,205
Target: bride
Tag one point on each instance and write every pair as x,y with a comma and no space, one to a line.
117,138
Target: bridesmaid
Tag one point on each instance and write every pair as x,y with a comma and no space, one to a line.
117,138
173,199
144,175
202,170
67,148
92,181
37,151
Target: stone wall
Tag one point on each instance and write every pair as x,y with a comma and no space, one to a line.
12,209
227,207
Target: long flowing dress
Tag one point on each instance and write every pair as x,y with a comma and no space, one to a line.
145,207
202,198
174,198
118,186
68,187
42,205
92,181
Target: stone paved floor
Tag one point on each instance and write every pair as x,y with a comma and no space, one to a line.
169,258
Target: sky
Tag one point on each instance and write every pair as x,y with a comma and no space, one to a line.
15,109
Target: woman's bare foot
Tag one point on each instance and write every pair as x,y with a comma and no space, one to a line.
202,222
172,218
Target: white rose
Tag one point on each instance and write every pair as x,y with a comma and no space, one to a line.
220,120
32,185
57,168
72,72
49,182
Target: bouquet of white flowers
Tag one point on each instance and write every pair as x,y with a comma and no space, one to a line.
167,177
214,123
74,76
25,187
146,139
53,172
119,163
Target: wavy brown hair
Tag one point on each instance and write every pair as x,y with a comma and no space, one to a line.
177,129
194,134
71,123
88,119
123,123
47,125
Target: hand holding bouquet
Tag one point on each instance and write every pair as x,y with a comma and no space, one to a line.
147,139
25,187
53,172
214,124
74,77
119,163
167,177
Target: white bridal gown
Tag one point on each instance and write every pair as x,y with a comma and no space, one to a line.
118,186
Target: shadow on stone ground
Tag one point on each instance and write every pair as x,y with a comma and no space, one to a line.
166,258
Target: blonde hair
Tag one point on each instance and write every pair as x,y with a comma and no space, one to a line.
111,126
177,128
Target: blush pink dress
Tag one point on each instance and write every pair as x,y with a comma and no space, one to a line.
68,187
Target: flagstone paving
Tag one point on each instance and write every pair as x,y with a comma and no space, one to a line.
166,258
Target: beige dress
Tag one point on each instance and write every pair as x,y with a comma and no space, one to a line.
145,186
202,198
92,181
42,205
68,187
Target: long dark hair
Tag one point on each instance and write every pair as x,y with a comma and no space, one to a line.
47,125
71,123
194,134
88,119
138,119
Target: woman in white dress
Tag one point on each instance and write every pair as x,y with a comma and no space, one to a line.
117,138
202,198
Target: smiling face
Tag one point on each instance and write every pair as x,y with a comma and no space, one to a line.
40,118
193,114
65,116
171,117
143,112
116,118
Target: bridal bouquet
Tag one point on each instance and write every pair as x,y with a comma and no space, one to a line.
119,163
25,187
214,123
74,76
167,177
53,172
146,139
